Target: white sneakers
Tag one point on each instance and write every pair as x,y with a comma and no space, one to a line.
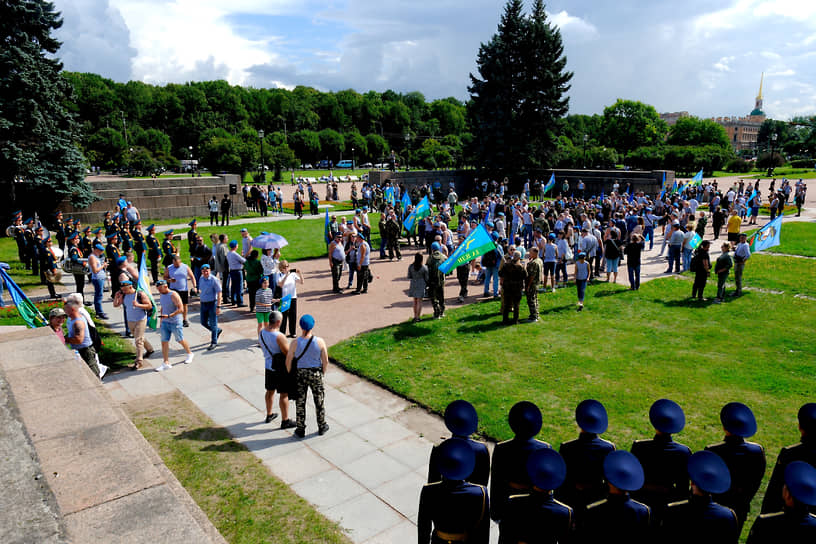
189,358
163,367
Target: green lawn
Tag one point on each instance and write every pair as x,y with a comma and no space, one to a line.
626,349
791,275
231,485
784,171
798,238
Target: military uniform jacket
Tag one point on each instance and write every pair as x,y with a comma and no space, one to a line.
536,518
746,463
533,268
789,526
109,227
509,471
126,240
138,241
86,244
31,246
699,520
617,518
803,451
451,508
481,472
664,463
168,249
191,239
585,482
111,254
153,251
513,275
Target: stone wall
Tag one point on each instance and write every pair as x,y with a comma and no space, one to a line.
162,198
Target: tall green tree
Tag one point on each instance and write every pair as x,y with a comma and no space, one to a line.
38,135
696,131
629,124
519,94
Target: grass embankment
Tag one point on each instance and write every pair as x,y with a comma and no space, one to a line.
626,349
232,486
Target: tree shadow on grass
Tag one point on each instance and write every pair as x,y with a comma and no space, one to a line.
204,434
689,302
608,293
557,309
406,331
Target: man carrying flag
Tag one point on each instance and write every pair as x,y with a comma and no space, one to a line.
422,210
326,230
143,286
550,184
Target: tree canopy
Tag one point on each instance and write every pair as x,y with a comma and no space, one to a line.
518,95
38,134
629,124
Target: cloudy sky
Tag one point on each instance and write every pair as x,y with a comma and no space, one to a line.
702,56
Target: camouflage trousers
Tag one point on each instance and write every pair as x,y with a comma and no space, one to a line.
532,301
310,378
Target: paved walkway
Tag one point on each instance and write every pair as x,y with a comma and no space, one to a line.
367,472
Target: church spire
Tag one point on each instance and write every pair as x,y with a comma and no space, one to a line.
758,104
761,79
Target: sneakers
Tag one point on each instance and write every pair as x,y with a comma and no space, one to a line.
163,367
211,347
460,299
323,430
189,358
185,323
218,334
270,417
300,433
147,354
102,370
288,424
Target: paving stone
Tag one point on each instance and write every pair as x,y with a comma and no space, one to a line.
41,382
252,390
382,432
377,398
343,448
375,469
364,516
45,420
146,383
402,494
355,413
299,465
404,532
190,378
412,452
96,464
328,489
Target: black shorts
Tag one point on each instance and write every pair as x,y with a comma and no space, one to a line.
184,296
549,268
733,236
273,380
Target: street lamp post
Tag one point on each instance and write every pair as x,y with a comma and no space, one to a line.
352,159
586,139
190,149
263,167
774,136
407,137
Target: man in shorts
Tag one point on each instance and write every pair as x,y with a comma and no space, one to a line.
275,349
171,311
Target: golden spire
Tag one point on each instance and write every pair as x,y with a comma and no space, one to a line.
759,96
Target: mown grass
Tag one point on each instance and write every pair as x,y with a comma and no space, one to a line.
797,237
626,349
232,486
791,275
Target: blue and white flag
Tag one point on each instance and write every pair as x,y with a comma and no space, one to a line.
422,210
550,184
767,236
389,195
477,243
698,178
286,302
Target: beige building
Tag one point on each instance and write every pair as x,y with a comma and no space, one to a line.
743,131
671,118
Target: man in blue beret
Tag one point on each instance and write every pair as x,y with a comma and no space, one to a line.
700,518
509,471
805,451
794,523
745,460
584,458
309,357
664,461
454,510
618,518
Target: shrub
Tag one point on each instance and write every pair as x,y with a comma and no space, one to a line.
739,166
803,163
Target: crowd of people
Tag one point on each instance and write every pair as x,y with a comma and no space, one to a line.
589,491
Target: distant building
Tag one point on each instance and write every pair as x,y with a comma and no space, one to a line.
743,131
671,118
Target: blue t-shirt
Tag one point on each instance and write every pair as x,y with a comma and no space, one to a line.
86,341
180,275
209,288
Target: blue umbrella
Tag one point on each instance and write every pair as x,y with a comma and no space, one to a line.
269,241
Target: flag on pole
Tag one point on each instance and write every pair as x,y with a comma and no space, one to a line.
698,178
143,286
389,195
286,302
422,210
550,184
477,243
767,236
695,241
406,201
326,231
28,311
662,187
631,194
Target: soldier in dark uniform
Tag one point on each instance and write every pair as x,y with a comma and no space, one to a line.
436,280
584,458
453,510
126,242
192,235
226,204
393,228
699,519
462,421
107,222
39,253
168,249
49,264
20,238
509,471
139,245
154,253
59,230
512,276
76,256
618,518
87,242
664,461
805,450
99,237
745,460
794,523
70,228
111,254
31,261
536,517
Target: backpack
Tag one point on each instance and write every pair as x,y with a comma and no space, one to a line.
490,259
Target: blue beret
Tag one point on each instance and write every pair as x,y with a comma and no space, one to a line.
436,246
100,247
233,243
461,418
120,259
307,322
456,459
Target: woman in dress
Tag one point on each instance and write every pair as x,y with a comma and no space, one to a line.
418,274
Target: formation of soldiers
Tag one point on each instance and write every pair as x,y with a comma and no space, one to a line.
589,491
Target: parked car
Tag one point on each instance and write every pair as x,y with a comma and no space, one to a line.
366,165
345,164
307,166
323,164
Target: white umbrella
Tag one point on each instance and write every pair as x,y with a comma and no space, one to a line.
269,241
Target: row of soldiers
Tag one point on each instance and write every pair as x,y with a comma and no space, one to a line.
589,491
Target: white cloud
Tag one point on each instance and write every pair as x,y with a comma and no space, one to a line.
572,26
